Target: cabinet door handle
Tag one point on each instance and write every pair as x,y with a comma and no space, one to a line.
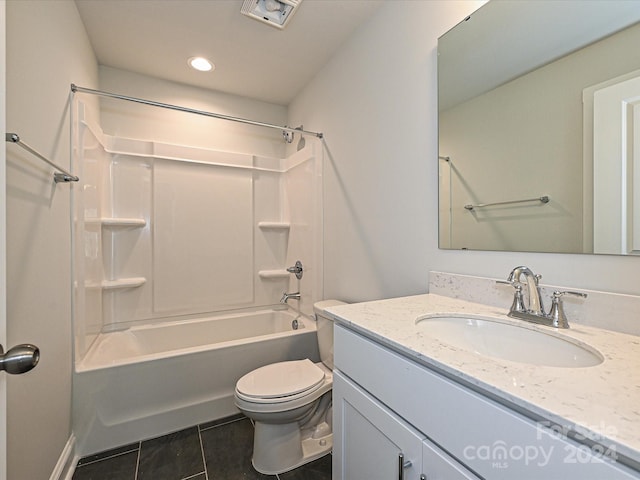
402,464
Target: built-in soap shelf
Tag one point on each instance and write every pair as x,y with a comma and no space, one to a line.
274,225
119,283
131,282
113,222
276,274
273,274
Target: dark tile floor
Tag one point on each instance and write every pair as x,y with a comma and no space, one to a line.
219,450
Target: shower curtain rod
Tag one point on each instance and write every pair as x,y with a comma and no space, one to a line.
75,88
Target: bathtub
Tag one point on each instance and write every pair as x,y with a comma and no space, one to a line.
150,380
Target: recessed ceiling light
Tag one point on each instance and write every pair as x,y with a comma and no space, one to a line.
201,64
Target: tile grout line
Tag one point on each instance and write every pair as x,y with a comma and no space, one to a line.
194,475
221,424
204,460
135,476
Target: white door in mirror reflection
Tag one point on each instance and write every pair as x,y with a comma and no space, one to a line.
616,166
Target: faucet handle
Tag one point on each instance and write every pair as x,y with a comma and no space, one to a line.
297,269
513,283
557,294
518,301
556,314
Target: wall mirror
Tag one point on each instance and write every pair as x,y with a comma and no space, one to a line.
539,128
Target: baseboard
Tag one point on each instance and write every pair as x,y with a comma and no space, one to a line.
67,462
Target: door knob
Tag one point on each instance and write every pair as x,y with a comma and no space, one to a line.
19,359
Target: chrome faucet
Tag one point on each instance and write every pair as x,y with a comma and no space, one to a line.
535,312
286,296
535,300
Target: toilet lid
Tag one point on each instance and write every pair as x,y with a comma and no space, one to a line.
281,379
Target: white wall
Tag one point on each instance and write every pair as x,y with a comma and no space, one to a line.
47,50
376,103
132,120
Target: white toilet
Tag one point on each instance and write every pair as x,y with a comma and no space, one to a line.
290,404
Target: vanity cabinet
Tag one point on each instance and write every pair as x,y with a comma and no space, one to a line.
386,404
376,443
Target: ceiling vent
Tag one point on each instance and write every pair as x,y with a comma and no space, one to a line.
276,13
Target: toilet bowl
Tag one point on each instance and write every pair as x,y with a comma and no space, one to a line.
290,405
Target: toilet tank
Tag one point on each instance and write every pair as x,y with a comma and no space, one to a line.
324,326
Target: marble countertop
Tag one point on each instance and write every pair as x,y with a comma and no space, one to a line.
601,402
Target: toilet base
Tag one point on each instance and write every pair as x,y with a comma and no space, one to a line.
283,447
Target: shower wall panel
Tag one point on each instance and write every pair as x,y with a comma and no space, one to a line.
88,235
128,246
202,237
302,204
270,244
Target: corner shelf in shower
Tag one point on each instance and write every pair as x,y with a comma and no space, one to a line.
113,222
123,222
273,274
131,282
274,225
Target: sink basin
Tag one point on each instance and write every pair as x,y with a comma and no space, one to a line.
495,338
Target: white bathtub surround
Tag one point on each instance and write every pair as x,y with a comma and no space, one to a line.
600,402
180,257
154,379
610,311
165,230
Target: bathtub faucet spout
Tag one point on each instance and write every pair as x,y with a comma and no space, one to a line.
286,296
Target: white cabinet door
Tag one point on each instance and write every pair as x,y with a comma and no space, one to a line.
369,439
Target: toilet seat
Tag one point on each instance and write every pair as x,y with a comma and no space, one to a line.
280,382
